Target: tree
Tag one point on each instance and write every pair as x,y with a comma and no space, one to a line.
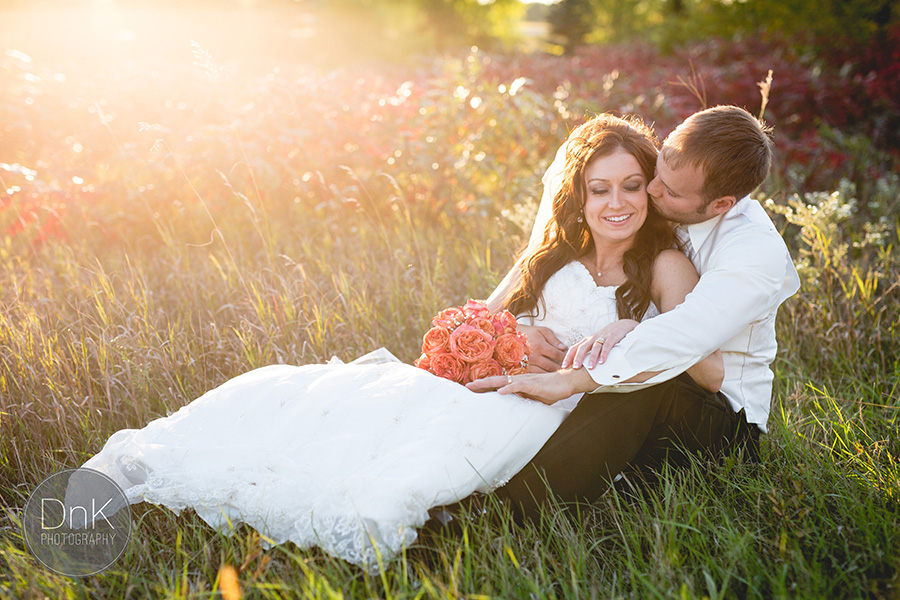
573,20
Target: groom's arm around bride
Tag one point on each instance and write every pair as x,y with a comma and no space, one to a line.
640,405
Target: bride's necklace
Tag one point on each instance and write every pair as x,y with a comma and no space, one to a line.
611,274
595,273
605,276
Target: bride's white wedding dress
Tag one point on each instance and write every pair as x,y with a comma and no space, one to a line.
344,455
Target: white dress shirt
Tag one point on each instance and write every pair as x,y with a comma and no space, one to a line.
746,272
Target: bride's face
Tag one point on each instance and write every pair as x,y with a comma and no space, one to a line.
615,196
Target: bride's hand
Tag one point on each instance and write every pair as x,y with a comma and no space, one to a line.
594,349
547,388
546,349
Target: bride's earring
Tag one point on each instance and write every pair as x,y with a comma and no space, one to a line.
579,219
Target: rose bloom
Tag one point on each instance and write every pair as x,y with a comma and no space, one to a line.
449,318
436,339
477,308
507,321
509,350
484,324
471,344
423,362
516,370
524,340
485,368
449,367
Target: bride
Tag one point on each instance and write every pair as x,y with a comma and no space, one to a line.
350,457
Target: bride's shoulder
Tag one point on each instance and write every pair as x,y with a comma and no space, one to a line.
672,269
671,259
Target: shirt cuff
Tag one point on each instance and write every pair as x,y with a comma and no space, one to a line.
610,376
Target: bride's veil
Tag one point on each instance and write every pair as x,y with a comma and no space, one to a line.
552,179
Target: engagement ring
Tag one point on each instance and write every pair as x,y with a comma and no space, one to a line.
508,379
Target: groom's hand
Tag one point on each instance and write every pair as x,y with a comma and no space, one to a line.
594,349
547,352
543,387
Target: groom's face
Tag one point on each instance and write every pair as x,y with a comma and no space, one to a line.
676,193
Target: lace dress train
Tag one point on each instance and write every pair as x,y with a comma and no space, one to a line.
348,457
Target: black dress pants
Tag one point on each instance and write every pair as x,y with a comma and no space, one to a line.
609,433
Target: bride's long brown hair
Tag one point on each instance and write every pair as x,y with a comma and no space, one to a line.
565,238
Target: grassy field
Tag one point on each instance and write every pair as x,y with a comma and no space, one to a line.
167,225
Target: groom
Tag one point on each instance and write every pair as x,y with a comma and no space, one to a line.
640,408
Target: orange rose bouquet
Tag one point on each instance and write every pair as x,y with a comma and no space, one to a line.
468,342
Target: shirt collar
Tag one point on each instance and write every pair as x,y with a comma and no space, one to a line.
698,232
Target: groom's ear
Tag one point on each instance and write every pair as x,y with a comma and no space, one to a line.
721,205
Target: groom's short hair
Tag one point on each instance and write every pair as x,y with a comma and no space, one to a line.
732,147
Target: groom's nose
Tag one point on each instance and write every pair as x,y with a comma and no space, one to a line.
653,188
